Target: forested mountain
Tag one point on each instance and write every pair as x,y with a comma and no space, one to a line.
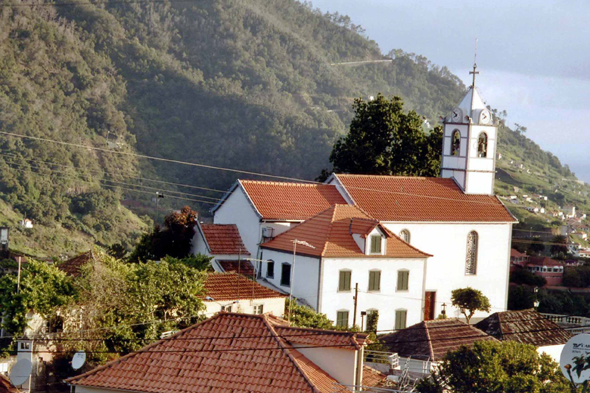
256,85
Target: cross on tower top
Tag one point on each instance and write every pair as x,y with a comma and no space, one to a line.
474,72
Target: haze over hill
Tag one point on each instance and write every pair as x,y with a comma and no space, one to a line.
254,85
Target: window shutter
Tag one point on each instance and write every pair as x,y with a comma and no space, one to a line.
375,244
400,319
342,319
374,281
402,280
344,280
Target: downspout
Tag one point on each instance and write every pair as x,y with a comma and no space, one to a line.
358,382
424,290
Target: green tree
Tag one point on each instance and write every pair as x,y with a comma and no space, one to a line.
470,300
306,317
496,367
524,276
43,290
385,140
559,245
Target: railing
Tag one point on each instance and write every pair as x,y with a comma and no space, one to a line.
382,357
576,324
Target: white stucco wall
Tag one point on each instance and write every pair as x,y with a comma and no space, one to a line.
552,350
305,279
447,242
198,245
275,306
339,363
386,301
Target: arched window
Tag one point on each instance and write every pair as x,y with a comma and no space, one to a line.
471,259
405,235
482,145
456,143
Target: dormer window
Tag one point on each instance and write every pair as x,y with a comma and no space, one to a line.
375,244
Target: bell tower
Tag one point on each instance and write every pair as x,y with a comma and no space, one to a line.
469,144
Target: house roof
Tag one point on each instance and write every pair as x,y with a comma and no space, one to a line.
372,377
232,266
6,386
72,267
223,239
431,340
330,232
211,357
402,199
517,254
544,261
525,326
233,286
289,201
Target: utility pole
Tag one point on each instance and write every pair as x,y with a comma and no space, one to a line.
158,196
18,278
356,298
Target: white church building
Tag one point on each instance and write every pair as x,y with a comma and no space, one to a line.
458,230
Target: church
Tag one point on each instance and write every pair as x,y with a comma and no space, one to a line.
395,244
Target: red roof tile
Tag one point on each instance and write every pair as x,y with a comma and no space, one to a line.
525,326
72,267
231,266
543,261
517,254
330,233
211,357
431,340
399,198
6,386
319,337
372,377
223,239
290,201
233,286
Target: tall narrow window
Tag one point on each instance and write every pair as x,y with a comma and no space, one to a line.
471,258
342,319
286,274
482,145
375,280
400,319
270,269
403,277
344,280
376,244
456,143
405,235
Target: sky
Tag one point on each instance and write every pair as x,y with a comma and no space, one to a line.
532,57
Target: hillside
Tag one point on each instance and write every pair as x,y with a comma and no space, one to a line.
256,85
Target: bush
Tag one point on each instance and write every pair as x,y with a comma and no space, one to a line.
524,276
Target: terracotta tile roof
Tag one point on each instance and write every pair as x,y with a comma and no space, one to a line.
72,267
399,198
330,233
223,239
211,357
233,286
544,261
517,254
319,337
525,326
6,386
372,377
243,267
431,340
290,201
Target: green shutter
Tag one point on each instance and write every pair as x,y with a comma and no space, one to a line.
342,318
374,281
376,244
400,319
402,280
344,280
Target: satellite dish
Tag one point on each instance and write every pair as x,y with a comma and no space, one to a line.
78,360
573,360
20,372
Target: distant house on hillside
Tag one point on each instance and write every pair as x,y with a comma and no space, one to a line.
239,353
517,258
547,268
425,344
569,211
527,327
233,292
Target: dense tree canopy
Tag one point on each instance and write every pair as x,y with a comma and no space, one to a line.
470,300
496,367
385,140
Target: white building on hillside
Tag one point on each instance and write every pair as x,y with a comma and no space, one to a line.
456,218
350,248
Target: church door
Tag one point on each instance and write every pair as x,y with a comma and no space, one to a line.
429,305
